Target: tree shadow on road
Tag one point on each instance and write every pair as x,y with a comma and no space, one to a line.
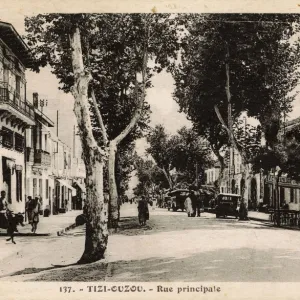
221,265
27,271
130,225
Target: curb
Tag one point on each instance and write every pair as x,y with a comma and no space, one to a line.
260,220
25,234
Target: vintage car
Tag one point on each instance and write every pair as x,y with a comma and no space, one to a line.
178,198
227,205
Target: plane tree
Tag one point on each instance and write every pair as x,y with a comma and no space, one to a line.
236,63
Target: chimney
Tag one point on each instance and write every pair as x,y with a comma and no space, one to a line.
35,97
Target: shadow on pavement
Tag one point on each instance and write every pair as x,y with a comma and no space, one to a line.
223,265
38,270
130,225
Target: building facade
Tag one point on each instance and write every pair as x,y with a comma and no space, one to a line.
33,160
16,114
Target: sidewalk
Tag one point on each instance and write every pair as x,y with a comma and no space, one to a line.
258,216
52,225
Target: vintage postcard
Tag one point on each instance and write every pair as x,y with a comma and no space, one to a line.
149,149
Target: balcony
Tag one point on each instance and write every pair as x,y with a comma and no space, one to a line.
13,108
42,158
11,140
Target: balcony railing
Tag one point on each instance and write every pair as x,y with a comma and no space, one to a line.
12,97
42,158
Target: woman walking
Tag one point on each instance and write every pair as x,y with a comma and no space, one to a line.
188,205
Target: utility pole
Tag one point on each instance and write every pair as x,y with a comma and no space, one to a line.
74,141
197,174
230,140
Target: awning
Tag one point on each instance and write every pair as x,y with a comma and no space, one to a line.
62,182
81,186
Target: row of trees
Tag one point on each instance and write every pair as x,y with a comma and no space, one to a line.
103,60
181,157
232,64
229,64
177,160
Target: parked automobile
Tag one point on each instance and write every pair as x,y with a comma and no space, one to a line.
177,198
227,205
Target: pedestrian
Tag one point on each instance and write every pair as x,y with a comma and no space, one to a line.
36,214
3,209
29,209
188,205
143,210
3,203
194,200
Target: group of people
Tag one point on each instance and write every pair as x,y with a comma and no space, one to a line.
192,203
32,208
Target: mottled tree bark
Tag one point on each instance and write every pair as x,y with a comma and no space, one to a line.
114,212
95,209
113,192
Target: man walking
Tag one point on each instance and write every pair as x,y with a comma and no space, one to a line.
196,201
3,203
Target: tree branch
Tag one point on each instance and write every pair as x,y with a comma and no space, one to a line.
230,133
140,102
100,119
80,92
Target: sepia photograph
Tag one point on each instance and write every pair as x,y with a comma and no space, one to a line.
149,148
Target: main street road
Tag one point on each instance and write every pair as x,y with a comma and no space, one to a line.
172,247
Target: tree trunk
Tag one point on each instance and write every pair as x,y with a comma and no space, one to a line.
114,203
168,177
277,200
222,168
113,192
95,208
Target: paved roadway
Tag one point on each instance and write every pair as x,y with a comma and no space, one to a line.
172,247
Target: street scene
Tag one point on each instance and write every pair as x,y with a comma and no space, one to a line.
171,247
150,148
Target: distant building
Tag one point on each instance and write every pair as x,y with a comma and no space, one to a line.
212,174
38,158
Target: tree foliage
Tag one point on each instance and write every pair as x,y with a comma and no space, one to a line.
262,69
184,153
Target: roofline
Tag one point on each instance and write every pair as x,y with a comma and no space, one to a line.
16,33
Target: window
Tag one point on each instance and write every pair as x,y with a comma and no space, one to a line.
7,137
19,185
41,188
34,187
47,188
19,142
292,194
5,74
18,86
